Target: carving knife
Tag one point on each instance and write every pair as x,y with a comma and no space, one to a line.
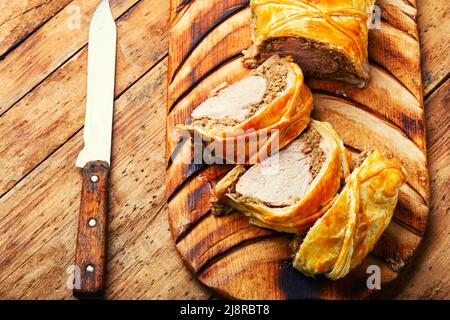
95,157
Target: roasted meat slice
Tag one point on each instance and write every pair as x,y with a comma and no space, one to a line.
247,121
328,39
289,190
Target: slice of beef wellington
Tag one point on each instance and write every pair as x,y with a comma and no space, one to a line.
348,231
291,189
328,39
247,121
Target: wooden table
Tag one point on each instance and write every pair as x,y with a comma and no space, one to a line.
43,55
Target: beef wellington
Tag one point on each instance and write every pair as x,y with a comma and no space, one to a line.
291,189
250,119
328,39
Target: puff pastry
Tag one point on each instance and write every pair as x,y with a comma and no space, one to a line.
254,117
308,174
348,231
328,39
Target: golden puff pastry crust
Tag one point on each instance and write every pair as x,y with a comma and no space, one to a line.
266,131
299,216
349,230
328,39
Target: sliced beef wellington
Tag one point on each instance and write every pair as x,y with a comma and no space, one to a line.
328,39
246,121
291,189
342,238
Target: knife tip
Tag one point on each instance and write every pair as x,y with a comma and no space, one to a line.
103,9
104,4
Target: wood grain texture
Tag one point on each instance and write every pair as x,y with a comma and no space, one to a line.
435,48
42,206
40,209
220,45
140,246
227,254
18,76
427,277
20,18
61,98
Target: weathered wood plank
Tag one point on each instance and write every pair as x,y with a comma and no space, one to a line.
399,14
195,200
265,266
396,246
34,265
60,99
412,209
255,265
435,48
48,48
397,51
428,277
355,284
154,268
198,21
18,19
176,7
402,109
230,231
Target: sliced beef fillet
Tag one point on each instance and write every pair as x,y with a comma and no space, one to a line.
328,39
229,106
235,102
295,166
289,190
317,60
248,120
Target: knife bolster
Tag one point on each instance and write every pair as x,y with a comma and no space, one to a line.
91,237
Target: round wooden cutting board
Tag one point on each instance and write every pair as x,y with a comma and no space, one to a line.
239,260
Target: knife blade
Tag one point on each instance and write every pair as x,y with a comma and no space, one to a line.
100,87
95,156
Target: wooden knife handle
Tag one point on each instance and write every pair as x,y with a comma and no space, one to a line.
91,238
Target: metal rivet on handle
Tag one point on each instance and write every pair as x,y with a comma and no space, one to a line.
92,222
90,268
94,179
